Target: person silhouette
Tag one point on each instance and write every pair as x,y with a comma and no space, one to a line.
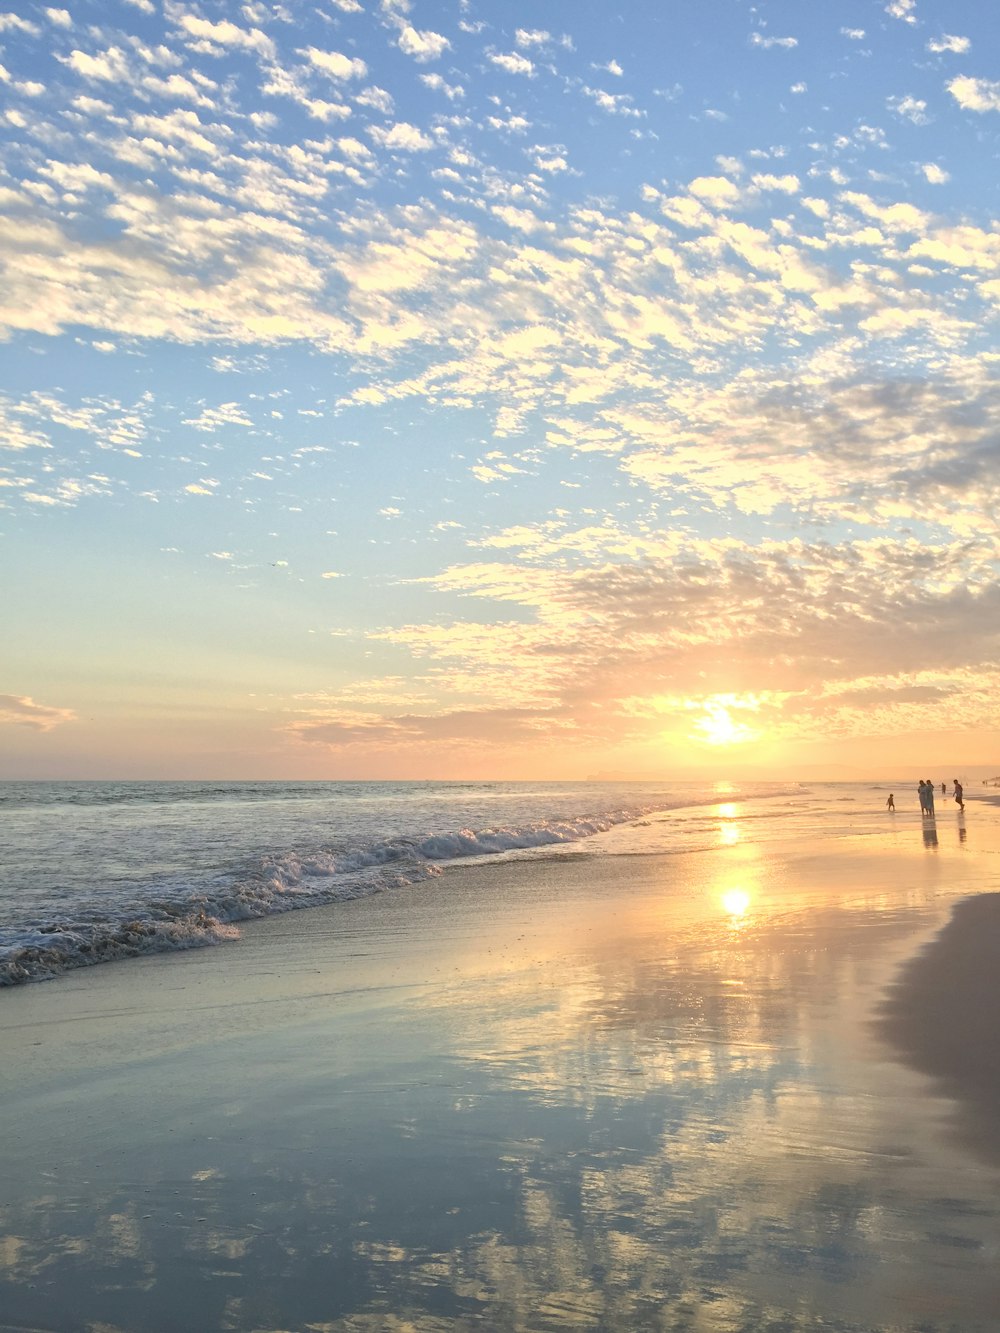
891,804
959,798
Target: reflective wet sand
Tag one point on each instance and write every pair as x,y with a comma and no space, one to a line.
690,1092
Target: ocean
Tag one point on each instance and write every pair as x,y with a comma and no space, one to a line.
97,871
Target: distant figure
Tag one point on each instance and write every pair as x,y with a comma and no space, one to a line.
944,789
959,799
890,804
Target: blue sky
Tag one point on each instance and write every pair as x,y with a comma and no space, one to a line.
431,389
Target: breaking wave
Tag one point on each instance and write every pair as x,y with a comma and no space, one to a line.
170,913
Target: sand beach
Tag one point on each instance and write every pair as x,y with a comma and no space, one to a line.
753,1086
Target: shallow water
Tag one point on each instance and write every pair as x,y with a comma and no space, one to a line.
599,1092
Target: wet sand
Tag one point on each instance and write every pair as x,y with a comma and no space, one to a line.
643,1092
941,1016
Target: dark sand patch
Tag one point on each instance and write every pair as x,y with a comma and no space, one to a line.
941,1017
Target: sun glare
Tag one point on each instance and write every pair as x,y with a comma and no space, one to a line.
719,727
736,902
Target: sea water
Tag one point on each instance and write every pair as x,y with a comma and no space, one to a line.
95,871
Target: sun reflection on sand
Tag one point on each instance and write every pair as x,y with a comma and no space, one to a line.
736,902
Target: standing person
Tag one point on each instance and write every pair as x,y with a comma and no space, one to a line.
922,793
929,789
944,789
959,798
891,804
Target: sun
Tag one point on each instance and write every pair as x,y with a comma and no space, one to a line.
719,727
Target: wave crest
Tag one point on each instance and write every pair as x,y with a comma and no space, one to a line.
183,916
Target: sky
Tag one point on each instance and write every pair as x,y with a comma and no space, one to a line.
451,389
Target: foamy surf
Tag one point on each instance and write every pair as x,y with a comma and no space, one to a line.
171,913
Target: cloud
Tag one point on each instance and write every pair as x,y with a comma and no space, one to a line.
336,64
513,63
615,104
796,631
354,149
376,98
77,177
176,86
550,161
909,108
521,219
110,66
766,43
975,94
15,23
935,174
422,46
401,138
20,710
211,418
957,45
214,38
902,9
497,727
715,190
438,84
787,184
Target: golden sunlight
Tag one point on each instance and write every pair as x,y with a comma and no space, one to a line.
729,829
719,727
736,902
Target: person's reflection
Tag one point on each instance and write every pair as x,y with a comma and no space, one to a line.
930,834
961,830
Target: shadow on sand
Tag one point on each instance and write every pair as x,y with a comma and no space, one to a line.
940,1016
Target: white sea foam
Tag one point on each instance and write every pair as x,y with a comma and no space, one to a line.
182,869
